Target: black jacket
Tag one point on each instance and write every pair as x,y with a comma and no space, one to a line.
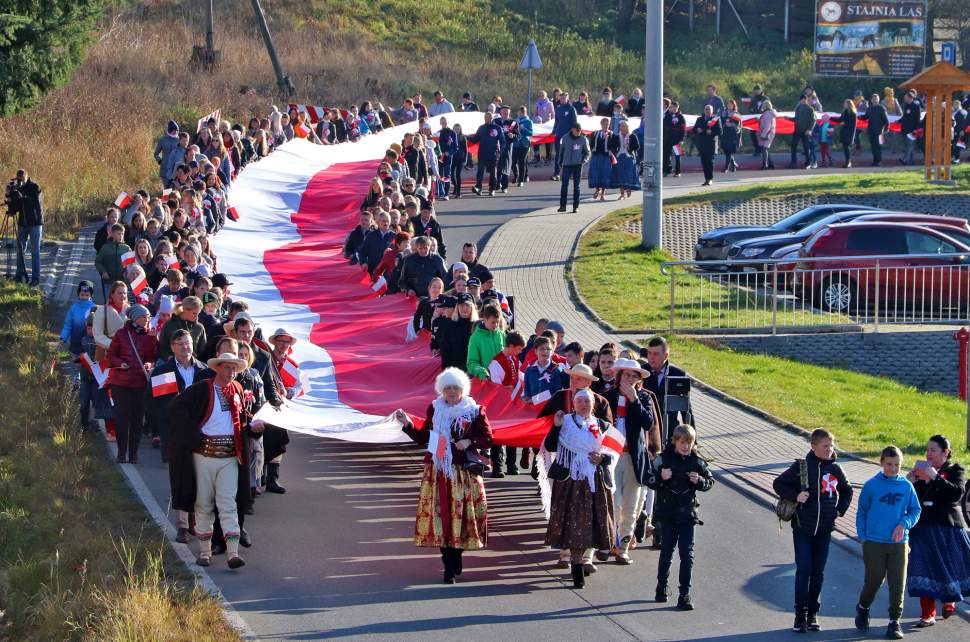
639,422
600,144
677,496
847,131
909,121
157,407
877,120
371,250
940,498
634,107
418,271
26,203
452,341
825,502
491,142
432,230
674,127
273,389
352,242
705,131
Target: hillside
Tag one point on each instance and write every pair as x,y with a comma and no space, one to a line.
95,135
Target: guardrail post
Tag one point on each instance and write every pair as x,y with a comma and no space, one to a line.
774,299
673,281
876,305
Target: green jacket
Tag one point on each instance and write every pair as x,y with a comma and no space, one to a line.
109,260
482,348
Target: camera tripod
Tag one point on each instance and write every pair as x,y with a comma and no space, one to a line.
7,241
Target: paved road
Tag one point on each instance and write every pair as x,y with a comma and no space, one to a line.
333,557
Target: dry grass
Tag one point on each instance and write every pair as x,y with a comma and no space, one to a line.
79,558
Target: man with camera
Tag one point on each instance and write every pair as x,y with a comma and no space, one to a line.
23,200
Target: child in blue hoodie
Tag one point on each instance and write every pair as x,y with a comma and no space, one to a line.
75,323
888,509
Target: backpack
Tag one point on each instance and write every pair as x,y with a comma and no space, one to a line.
785,508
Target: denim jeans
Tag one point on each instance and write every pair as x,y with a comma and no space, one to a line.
570,172
28,238
85,398
811,553
680,535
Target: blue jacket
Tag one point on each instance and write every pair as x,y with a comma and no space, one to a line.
371,249
75,325
537,381
565,119
525,132
885,503
491,141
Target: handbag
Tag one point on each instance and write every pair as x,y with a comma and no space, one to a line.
474,462
785,508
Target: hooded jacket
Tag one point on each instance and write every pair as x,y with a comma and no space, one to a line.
482,348
829,494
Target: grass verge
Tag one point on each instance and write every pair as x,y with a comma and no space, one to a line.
79,558
623,284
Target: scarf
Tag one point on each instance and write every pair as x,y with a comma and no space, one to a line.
577,439
449,424
621,414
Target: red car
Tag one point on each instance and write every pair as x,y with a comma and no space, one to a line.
927,267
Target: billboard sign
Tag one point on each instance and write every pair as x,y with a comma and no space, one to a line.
869,37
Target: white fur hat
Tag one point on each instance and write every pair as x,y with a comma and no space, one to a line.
452,377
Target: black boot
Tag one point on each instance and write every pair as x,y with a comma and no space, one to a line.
813,624
273,474
801,621
579,579
456,560
449,577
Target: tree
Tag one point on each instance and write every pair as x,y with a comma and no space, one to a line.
41,42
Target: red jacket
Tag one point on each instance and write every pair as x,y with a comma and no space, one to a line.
121,352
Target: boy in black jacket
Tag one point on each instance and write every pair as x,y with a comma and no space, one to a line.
822,497
676,475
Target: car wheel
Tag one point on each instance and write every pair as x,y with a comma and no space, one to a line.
838,294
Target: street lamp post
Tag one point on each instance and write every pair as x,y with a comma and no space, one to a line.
651,228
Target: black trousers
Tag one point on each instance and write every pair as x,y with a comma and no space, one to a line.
795,139
520,165
876,147
456,170
707,163
679,535
504,456
847,150
570,172
485,166
129,416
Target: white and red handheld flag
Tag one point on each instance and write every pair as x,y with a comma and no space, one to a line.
123,200
99,370
128,258
205,119
233,214
164,384
678,150
613,440
139,283
380,286
290,373
172,263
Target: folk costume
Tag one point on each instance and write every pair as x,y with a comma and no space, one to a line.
208,465
452,508
604,145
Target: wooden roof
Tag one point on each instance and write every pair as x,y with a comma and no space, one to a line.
939,76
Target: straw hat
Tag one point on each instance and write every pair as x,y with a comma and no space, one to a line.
226,357
629,364
281,332
582,370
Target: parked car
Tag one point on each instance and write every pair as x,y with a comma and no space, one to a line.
924,266
714,245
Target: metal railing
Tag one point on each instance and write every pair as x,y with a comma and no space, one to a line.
805,294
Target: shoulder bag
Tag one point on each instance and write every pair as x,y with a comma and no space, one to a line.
785,508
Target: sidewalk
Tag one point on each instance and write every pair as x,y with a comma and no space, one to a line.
529,257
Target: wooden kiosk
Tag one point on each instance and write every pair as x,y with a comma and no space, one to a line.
939,82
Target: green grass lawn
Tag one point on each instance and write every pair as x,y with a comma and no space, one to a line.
908,182
866,413
623,284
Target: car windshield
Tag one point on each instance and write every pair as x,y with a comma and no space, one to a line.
800,219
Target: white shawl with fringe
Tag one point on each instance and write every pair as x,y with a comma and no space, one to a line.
448,423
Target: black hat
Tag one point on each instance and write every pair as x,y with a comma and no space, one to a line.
489,295
464,298
85,286
425,204
220,280
444,301
466,95
485,275
474,282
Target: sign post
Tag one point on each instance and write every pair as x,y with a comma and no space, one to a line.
948,52
530,61
653,89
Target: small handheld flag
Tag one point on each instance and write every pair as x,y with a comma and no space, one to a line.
233,214
123,200
164,384
139,283
128,258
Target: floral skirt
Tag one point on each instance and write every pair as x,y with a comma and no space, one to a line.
451,512
939,563
579,518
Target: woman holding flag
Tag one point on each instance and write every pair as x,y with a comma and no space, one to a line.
452,509
580,504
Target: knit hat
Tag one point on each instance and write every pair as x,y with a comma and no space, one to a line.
85,286
166,304
173,127
137,311
202,270
485,275
458,265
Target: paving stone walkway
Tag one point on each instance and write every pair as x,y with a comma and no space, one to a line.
530,255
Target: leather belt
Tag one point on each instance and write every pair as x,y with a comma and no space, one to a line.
219,447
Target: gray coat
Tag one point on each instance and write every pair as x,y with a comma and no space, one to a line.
575,149
163,149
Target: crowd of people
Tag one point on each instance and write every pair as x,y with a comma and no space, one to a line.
187,364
